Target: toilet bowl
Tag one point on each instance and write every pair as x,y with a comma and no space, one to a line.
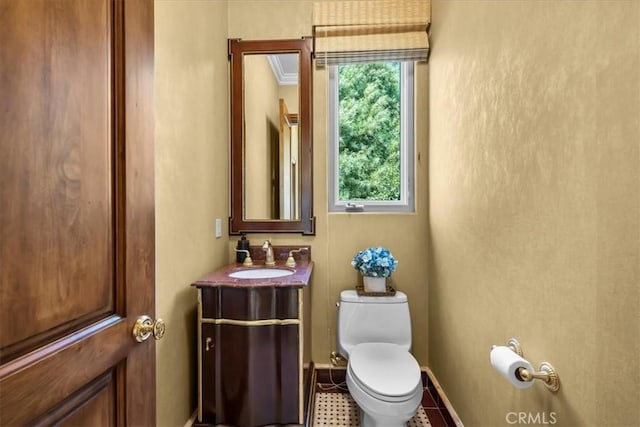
384,380
382,376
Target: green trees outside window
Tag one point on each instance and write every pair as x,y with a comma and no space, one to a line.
369,131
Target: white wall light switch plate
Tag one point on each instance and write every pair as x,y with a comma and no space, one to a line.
218,228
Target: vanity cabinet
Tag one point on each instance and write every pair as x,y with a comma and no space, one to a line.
251,352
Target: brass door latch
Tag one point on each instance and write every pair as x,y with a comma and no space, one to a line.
145,326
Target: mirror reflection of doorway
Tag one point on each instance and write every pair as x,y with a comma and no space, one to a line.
271,96
274,171
289,181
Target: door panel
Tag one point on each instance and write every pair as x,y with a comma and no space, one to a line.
93,406
57,206
76,212
96,411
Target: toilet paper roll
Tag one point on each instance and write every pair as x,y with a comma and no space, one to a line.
507,362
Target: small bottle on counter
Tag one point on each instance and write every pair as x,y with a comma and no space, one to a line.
243,244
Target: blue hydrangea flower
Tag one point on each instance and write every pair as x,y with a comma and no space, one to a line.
375,262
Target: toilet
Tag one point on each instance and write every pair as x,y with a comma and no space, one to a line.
374,334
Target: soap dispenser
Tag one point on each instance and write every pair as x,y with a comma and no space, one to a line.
243,245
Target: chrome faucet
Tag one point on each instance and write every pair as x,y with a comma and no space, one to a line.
266,246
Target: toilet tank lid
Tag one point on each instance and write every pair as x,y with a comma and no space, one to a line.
352,296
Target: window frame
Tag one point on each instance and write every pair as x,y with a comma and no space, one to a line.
407,149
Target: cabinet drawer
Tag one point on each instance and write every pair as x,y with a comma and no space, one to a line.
256,303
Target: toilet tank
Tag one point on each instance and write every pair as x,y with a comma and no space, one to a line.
372,319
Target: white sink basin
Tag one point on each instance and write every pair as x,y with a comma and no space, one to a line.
261,273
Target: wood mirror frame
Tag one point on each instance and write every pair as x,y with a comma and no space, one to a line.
305,222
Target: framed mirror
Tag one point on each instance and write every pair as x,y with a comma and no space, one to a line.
271,137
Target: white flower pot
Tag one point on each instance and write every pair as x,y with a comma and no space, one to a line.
374,284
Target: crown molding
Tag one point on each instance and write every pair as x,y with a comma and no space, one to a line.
283,77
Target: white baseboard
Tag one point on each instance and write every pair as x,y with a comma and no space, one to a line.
191,420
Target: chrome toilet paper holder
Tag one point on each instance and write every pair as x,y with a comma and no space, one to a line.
547,374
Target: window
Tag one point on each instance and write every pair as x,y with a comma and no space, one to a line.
371,137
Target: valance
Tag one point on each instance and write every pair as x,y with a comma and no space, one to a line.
370,30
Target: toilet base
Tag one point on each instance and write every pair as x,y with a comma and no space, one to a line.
375,413
367,421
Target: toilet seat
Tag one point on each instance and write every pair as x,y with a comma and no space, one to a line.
385,371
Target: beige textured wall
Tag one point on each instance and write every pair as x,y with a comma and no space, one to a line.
535,205
290,95
191,183
340,236
262,123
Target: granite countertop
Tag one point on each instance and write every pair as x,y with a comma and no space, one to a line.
220,277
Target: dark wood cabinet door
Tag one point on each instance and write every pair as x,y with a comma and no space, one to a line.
208,374
76,212
252,376
258,381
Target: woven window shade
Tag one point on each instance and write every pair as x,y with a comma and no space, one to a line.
350,31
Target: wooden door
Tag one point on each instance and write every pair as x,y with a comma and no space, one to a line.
76,212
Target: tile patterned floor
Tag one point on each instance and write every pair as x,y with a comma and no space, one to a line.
333,406
339,409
